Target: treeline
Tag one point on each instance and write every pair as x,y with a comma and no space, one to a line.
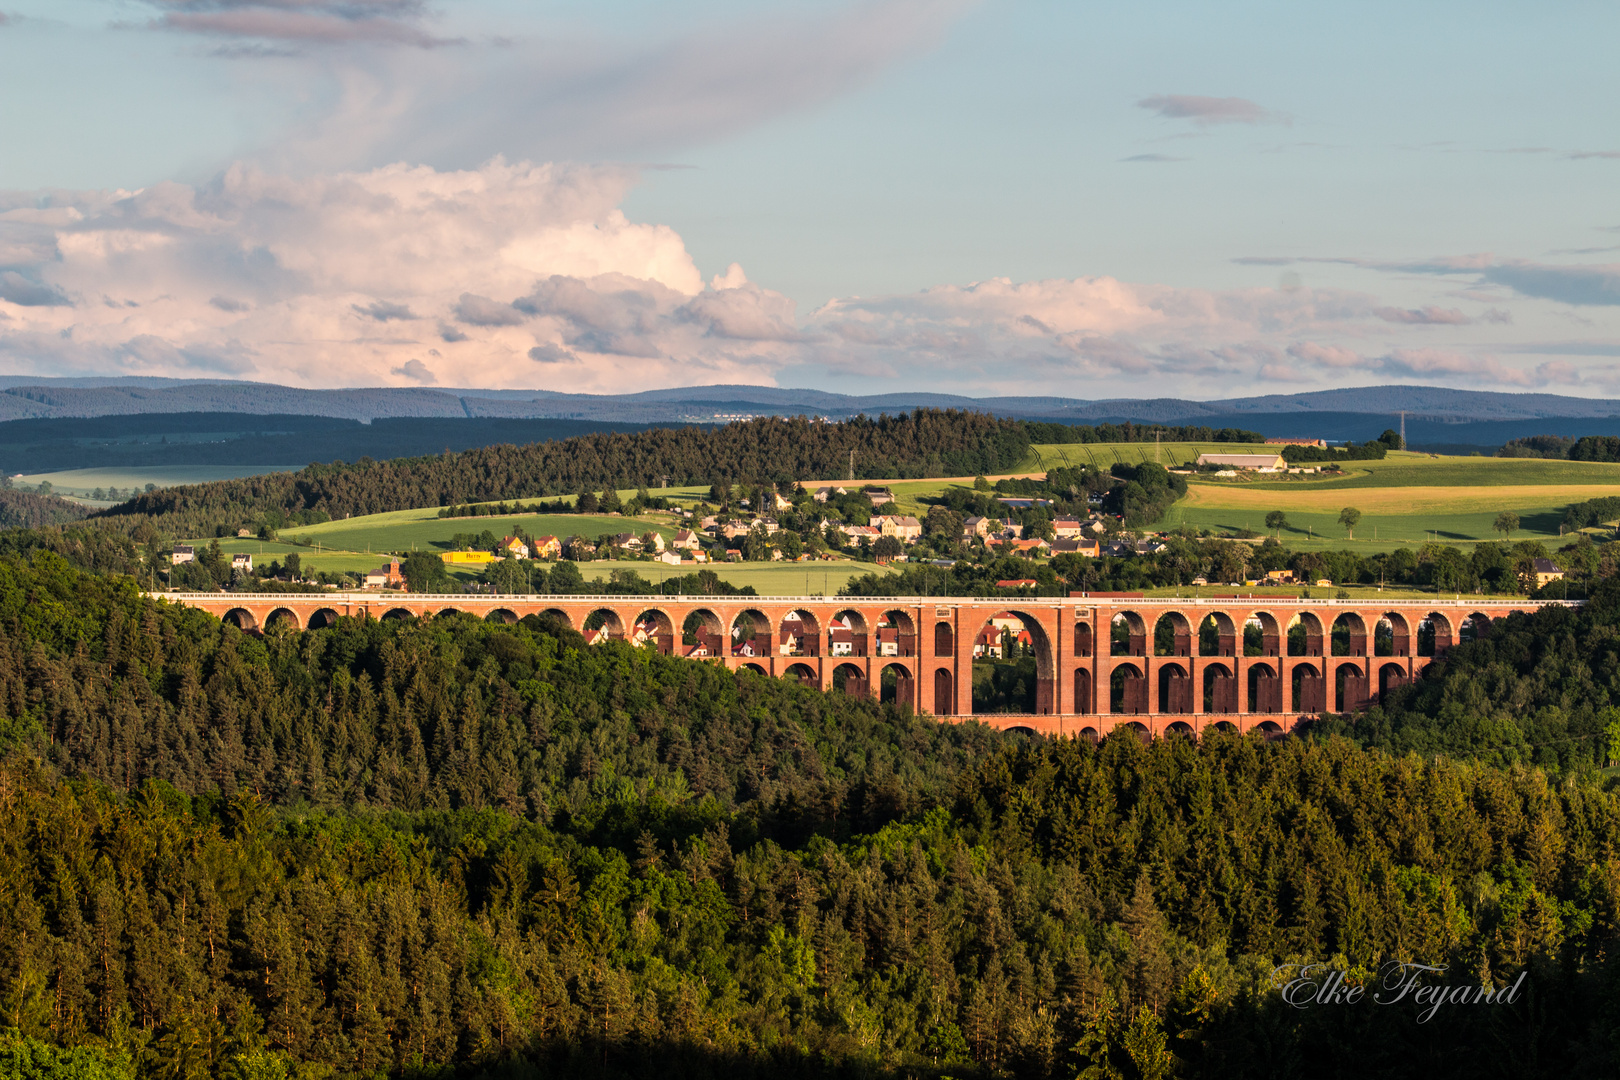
922,443
1537,689
1584,515
1111,911
1373,450
1585,448
1132,432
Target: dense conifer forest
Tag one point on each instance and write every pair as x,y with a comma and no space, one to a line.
456,849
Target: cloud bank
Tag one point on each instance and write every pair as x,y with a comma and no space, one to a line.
531,276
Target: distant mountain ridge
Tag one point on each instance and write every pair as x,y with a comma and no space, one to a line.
87,397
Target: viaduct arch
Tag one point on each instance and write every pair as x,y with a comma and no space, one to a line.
1163,666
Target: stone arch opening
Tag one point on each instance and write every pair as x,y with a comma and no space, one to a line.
703,635
1434,634
1175,689
1350,681
757,669
1349,635
1305,635
1217,635
1180,729
1225,727
1391,677
799,634
944,692
1220,689
851,679
1265,689
1172,635
896,634
282,619
1127,690
502,616
560,615
1476,627
1127,634
1262,635
1089,734
654,629
1392,636
803,674
1269,728
751,633
847,634
944,639
399,613
448,613
603,625
323,619
895,685
1309,689
1082,639
241,618
1013,669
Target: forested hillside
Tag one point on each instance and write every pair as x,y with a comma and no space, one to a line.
457,849
26,510
1542,688
923,443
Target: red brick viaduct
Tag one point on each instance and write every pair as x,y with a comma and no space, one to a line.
1100,660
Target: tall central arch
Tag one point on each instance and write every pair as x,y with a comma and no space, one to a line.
994,688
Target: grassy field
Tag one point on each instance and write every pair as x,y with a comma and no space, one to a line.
1102,455
412,530
83,481
1404,500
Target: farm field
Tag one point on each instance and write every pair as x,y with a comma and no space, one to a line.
81,482
410,530
1047,456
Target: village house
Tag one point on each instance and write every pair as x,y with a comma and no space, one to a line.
652,541
242,563
515,547
879,496
183,553
1067,528
1089,548
854,534
686,540
907,529
1545,571
824,493
1017,583
782,502
547,547
733,529
976,526
627,541
385,577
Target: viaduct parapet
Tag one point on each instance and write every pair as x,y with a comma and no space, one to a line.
1162,665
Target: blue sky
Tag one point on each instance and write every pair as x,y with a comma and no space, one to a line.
1196,199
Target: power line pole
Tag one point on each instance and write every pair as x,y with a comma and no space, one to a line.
852,464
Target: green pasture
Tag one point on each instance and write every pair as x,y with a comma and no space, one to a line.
1047,456
417,530
1377,531
83,481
